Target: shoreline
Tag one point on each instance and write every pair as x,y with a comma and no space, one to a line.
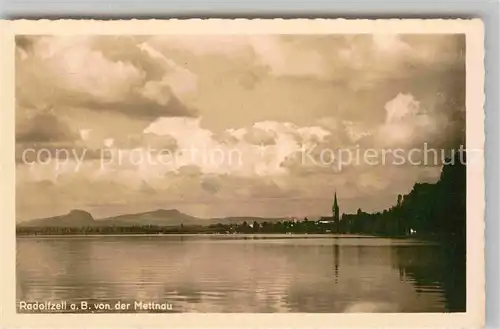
240,235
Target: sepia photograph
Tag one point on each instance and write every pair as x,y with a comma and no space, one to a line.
246,172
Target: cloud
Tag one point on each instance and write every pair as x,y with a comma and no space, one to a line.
245,153
73,72
254,98
44,127
72,65
408,123
332,57
178,78
259,136
227,45
270,51
275,53
391,45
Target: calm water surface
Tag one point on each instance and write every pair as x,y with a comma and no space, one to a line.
240,274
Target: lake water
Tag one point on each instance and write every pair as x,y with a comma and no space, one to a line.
241,273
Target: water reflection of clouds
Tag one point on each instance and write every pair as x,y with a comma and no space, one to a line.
256,276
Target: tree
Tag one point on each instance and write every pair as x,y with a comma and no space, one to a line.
256,226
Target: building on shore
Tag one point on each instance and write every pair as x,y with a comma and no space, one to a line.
334,220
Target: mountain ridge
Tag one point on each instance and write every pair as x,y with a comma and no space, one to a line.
158,217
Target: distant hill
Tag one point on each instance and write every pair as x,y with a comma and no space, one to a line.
75,218
160,217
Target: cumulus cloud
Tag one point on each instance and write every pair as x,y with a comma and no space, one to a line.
69,64
72,72
249,152
408,123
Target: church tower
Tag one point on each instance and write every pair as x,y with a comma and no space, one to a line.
335,210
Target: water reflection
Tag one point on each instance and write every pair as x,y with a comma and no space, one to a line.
438,268
336,261
219,274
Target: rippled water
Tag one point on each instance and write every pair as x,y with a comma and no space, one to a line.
240,274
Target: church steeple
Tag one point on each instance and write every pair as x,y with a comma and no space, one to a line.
335,209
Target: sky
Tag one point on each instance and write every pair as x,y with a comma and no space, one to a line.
263,115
